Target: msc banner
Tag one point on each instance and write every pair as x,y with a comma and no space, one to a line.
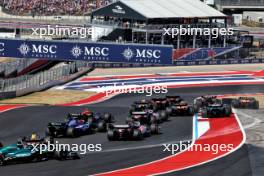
93,52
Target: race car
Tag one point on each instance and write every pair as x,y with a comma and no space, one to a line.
141,105
145,106
203,101
159,103
28,151
216,110
131,131
245,102
181,108
173,99
143,116
88,115
79,124
36,139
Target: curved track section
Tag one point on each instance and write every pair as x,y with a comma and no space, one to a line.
116,155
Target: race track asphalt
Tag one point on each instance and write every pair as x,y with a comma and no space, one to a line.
120,154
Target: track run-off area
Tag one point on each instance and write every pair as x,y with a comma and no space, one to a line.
146,157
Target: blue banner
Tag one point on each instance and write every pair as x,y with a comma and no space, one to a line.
91,52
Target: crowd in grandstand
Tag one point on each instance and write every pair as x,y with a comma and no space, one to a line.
52,7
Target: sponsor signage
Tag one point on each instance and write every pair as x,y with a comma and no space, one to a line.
91,52
118,9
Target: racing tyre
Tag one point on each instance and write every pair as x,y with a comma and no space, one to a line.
111,135
155,129
235,103
2,161
137,135
71,132
168,110
155,107
164,116
61,155
256,105
228,110
108,118
101,126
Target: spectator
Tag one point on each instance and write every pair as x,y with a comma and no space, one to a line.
52,7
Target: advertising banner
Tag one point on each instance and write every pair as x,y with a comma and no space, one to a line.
87,51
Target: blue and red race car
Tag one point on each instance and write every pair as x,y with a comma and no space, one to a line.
76,125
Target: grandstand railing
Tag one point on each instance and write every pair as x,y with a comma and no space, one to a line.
29,81
239,2
154,27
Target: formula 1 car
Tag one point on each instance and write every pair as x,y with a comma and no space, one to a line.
145,106
142,105
91,116
216,110
204,101
28,151
79,124
245,102
132,131
159,103
144,117
173,99
181,108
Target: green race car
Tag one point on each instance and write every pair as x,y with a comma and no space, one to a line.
29,151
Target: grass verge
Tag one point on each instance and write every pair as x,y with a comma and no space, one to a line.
50,97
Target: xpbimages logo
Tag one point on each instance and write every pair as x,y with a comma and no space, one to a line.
214,32
80,148
52,31
187,145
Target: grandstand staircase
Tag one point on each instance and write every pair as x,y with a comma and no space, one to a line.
99,32
117,34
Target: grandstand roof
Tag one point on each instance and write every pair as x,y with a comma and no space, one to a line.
151,9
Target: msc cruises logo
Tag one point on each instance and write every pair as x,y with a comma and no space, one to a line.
142,55
38,50
90,53
24,49
128,54
76,51
2,49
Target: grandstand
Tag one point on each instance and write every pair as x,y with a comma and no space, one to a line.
238,6
51,7
143,21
